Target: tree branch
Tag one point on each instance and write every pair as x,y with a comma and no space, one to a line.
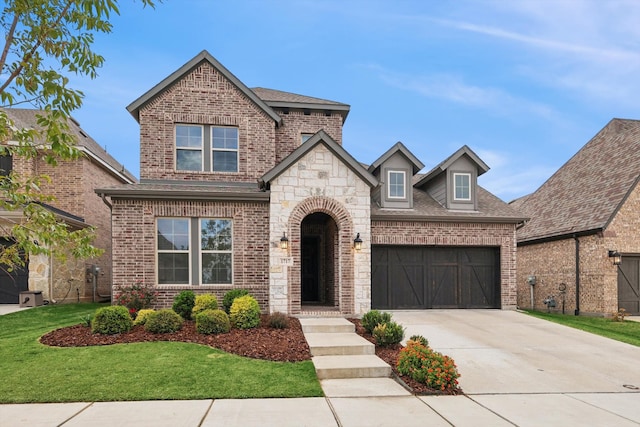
9,40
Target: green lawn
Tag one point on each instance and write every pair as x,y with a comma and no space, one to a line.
627,331
32,372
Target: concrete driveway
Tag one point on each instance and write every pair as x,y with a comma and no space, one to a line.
510,352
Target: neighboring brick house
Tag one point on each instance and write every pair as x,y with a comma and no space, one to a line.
76,203
588,208
252,188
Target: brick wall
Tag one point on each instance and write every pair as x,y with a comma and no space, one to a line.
457,234
295,123
204,97
134,244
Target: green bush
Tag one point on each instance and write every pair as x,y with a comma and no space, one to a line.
142,316
245,312
204,302
212,322
183,304
278,320
228,298
388,333
163,321
373,318
114,319
427,366
419,339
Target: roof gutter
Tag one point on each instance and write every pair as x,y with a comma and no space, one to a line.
488,220
564,236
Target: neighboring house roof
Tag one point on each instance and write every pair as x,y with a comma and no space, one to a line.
464,150
585,194
204,56
398,148
279,99
426,208
321,137
193,190
26,119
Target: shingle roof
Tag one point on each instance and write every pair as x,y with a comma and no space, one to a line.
26,118
426,208
194,190
587,191
279,99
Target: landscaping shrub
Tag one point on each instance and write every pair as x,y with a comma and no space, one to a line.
143,316
245,312
114,319
419,339
428,367
228,298
163,321
388,333
204,302
212,322
136,297
278,320
183,304
373,318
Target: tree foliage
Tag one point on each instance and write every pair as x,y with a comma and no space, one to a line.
45,42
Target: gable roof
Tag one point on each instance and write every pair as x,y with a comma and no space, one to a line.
584,195
204,56
280,99
26,119
446,163
321,137
398,148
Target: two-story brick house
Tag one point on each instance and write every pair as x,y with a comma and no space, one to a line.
76,203
252,188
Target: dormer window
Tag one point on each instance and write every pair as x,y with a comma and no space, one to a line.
462,186
396,185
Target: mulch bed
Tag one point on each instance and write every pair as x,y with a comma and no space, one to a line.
263,342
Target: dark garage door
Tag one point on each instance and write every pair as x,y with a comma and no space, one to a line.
12,282
405,277
629,284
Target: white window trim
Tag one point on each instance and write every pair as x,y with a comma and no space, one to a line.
203,251
167,251
465,199
201,149
404,185
213,150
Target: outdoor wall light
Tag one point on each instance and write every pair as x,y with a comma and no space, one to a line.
616,258
284,242
357,242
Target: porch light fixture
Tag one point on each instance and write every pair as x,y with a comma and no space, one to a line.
616,258
357,242
284,242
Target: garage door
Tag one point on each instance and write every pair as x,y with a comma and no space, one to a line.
405,277
12,282
629,284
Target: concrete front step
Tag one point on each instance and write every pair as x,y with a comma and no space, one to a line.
350,366
326,344
328,324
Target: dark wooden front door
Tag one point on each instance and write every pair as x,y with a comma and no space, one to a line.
629,284
310,269
430,277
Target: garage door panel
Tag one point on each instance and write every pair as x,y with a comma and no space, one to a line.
380,276
629,284
443,289
407,286
478,285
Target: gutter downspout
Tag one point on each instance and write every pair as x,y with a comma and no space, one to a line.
577,312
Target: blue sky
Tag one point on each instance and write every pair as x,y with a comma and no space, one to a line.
524,83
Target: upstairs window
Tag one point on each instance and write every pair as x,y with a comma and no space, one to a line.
194,140
396,184
305,137
462,186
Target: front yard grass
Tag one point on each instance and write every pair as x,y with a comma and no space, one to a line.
627,331
32,372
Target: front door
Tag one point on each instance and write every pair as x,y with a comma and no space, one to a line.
310,269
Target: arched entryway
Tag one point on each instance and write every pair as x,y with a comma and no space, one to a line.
319,241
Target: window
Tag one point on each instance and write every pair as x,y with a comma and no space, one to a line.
215,245
173,251
305,137
462,186
198,248
194,140
189,148
396,185
224,149
6,164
